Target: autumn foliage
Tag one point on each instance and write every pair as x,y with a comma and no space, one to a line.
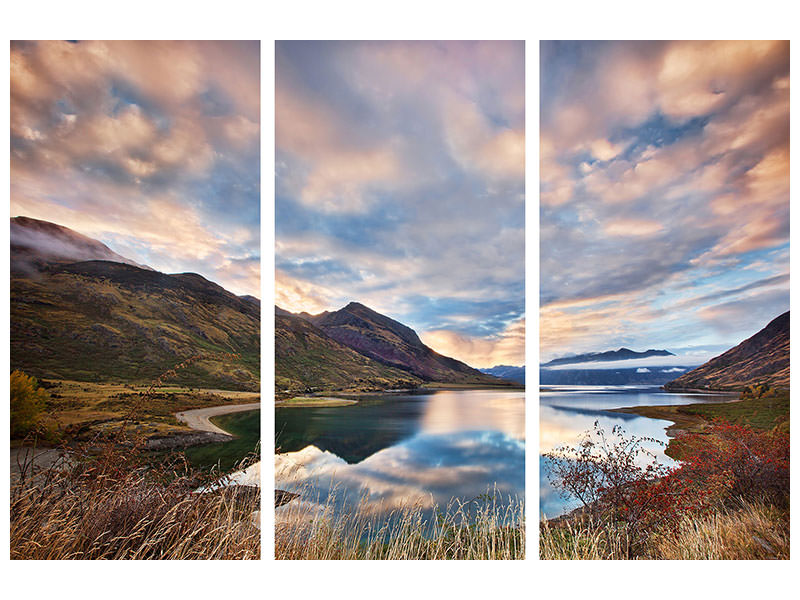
622,483
735,461
27,403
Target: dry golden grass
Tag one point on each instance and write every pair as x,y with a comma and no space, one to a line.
108,500
751,531
471,531
582,540
747,531
105,508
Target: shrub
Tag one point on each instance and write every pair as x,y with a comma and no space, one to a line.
737,461
27,403
623,485
621,482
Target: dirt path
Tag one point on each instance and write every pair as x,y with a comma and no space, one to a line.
35,462
199,418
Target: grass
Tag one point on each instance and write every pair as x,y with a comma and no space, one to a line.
80,410
109,507
111,500
750,530
760,413
771,410
469,531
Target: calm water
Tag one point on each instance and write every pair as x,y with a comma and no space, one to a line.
566,412
396,450
246,426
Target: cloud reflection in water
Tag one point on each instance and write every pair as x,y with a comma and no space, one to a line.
466,443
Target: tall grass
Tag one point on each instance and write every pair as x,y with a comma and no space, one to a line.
754,531
747,530
109,500
478,530
89,511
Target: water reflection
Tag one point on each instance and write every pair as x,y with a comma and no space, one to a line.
350,432
565,413
420,450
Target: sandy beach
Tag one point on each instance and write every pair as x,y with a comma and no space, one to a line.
199,418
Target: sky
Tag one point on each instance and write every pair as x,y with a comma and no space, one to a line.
664,194
400,184
150,147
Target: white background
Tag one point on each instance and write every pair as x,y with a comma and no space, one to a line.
410,19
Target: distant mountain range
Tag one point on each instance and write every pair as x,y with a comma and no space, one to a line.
762,358
617,376
609,355
508,372
81,311
358,348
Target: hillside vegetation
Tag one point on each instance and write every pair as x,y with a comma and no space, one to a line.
81,312
358,349
760,359
107,321
306,359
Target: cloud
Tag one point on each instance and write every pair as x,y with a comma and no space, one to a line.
460,449
504,348
400,183
664,170
632,227
151,146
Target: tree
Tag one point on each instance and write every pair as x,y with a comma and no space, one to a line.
27,403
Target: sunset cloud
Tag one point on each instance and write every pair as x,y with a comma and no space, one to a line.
664,188
151,147
400,184
504,348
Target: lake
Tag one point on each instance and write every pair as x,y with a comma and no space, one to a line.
566,412
246,426
396,450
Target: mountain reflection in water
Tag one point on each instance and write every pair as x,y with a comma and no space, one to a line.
401,450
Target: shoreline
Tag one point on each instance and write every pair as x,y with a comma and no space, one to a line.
681,422
314,402
199,418
344,398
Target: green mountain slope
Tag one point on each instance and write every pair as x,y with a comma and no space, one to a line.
100,320
307,359
762,358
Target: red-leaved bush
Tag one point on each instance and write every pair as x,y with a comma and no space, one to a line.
621,482
736,461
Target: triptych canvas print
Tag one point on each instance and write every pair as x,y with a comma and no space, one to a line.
391,353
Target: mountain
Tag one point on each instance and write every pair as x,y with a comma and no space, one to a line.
36,243
109,319
391,343
308,359
251,299
762,358
621,354
628,376
508,372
